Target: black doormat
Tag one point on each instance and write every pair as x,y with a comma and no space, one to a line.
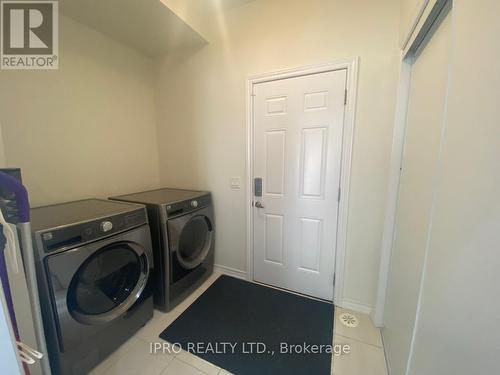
246,328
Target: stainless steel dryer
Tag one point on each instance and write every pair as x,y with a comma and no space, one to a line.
94,261
183,232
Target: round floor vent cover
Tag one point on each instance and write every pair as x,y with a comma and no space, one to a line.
349,320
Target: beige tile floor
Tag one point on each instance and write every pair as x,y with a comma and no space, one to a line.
365,358
366,355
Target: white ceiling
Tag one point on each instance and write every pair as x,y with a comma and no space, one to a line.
146,25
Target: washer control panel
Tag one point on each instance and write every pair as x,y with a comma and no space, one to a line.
78,234
194,203
106,226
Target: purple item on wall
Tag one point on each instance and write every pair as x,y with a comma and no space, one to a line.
12,184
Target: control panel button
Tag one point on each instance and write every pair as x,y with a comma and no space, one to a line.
106,226
47,236
194,203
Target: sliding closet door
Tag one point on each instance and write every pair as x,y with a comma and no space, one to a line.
426,112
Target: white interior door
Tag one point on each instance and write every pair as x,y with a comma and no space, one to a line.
297,152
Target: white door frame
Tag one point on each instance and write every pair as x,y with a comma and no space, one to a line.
351,65
391,206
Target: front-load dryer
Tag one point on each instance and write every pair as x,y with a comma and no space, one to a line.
94,261
183,232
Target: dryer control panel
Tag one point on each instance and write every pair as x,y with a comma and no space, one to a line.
184,207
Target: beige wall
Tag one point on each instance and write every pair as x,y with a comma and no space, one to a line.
2,150
410,9
201,111
87,129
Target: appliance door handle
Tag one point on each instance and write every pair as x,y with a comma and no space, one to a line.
139,250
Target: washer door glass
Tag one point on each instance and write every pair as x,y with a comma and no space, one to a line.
108,283
194,241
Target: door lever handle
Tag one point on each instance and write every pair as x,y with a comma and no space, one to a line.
259,204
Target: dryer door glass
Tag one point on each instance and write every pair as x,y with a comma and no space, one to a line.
109,279
194,241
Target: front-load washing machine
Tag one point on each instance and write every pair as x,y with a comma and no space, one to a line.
183,232
94,261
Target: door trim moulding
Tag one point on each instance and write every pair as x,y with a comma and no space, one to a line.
391,207
351,66
423,23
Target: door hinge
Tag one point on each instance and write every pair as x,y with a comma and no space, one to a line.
338,196
345,97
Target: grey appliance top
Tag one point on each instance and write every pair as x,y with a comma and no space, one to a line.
62,214
161,196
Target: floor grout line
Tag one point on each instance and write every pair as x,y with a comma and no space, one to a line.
357,340
189,364
166,365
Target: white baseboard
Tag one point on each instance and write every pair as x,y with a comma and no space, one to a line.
346,304
230,271
356,306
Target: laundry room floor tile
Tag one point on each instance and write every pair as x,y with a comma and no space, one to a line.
133,358
365,332
178,367
149,333
199,363
362,359
113,358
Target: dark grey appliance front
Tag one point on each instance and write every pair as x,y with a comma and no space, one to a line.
183,233
94,261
